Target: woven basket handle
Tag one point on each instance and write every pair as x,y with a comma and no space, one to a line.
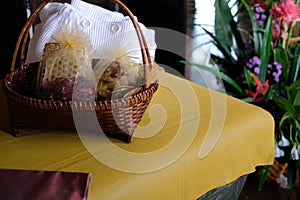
25,33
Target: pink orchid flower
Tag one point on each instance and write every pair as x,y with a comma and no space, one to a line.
285,15
286,12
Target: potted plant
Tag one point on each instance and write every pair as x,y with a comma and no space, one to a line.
260,63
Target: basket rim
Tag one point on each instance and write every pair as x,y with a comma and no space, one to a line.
60,105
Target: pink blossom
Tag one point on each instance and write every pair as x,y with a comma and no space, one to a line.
285,12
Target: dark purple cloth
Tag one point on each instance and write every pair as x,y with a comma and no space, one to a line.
43,185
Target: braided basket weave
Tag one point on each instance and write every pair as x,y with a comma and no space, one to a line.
276,170
117,118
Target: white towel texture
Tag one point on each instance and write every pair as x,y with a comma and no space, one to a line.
111,33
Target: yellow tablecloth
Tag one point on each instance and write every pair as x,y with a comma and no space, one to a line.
190,140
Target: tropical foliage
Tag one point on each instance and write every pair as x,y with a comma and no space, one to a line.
259,62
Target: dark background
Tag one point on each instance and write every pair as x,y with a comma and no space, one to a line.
169,14
13,16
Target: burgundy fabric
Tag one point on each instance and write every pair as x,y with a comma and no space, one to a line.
43,185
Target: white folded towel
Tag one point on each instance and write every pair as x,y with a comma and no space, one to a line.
108,30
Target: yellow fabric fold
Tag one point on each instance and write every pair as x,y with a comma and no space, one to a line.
190,140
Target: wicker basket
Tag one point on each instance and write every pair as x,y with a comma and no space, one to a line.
117,118
276,170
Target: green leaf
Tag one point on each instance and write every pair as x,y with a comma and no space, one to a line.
295,85
294,93
223,17
249,79
225,51
255,28
241,49
296,99
218,74
226,27
268,95
294,71
265,50
263,176
281,56
248,99
270,3
285,105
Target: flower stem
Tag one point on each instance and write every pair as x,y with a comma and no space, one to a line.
289,36
290,30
